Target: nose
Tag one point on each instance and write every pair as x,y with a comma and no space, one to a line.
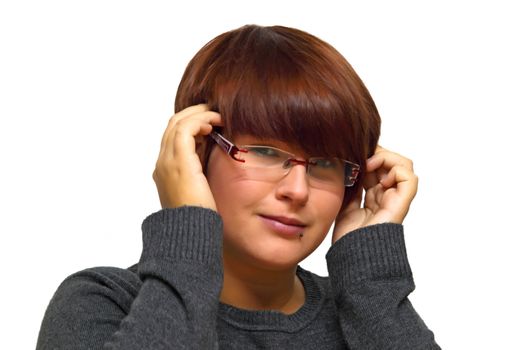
294,186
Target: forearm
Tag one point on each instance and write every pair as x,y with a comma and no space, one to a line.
371,279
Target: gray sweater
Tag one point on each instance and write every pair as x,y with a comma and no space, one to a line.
170,299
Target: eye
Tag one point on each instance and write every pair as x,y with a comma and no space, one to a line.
265,152
325,163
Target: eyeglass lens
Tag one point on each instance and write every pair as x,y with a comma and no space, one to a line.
272,163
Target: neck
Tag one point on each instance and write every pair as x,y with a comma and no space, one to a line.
250,288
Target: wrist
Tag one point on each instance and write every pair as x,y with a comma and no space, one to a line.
374,252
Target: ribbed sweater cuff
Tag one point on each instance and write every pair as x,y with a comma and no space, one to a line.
374,252
184,233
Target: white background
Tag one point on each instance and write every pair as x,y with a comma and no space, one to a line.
86,89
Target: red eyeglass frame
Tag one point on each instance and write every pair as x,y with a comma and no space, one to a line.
232,151
228,146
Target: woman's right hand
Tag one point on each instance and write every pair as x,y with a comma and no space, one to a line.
178,172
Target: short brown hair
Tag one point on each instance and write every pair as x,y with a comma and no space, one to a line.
285,84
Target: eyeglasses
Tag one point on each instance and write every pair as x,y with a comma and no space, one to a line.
272,164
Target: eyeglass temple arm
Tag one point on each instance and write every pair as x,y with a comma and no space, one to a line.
227,146
352,177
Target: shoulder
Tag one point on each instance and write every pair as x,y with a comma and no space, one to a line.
99,285
108,275
91,301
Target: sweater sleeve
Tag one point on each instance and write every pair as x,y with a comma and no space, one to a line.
174,305
371,280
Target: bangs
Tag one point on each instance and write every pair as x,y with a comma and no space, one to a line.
283,101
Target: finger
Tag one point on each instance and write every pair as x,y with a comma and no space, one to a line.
181,158
370,180
189,123
187,113
190,110
180,115
183,135
387,159
388,156
403,179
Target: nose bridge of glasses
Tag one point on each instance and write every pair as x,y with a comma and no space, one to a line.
296,177
294,161
307,163
290,162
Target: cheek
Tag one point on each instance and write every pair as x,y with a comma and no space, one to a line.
219,179
237,196
328,205
232,190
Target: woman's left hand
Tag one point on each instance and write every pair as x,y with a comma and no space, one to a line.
389,184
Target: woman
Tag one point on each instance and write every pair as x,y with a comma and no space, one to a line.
274,137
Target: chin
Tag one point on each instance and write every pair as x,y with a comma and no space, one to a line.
263,248
280,258
277,265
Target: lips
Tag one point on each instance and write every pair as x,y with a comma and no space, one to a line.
284,225
285,220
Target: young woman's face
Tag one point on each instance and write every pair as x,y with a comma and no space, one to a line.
270,224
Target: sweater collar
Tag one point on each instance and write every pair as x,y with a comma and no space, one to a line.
269,320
